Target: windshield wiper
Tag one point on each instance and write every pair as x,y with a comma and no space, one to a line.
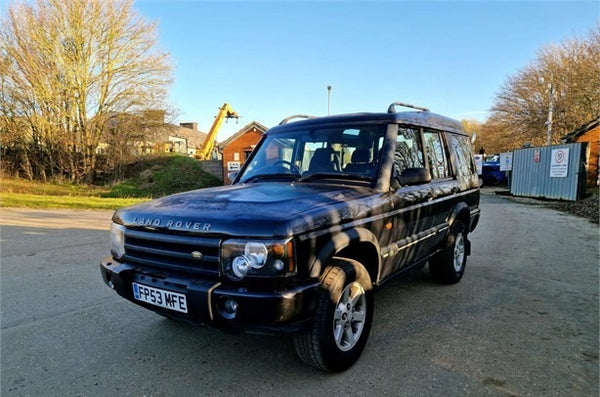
271,176
334,175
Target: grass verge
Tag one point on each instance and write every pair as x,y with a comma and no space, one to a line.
148,177
53,188
65,202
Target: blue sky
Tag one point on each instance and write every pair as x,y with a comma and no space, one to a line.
271,59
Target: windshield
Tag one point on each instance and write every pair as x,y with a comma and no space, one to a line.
340,152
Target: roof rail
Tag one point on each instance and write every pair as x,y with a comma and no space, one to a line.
392,108
296,116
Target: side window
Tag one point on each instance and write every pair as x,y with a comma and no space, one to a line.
461,147
436,155
409,153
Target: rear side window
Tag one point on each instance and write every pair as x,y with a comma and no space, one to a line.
436,155
461,146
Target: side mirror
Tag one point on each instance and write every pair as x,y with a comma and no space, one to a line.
473,138
415,176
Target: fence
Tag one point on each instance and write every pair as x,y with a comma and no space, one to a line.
214,167
554,172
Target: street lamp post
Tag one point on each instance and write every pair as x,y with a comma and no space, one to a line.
550,109
328,100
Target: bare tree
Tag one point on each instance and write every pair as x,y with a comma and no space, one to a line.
130,135
68,66
569,75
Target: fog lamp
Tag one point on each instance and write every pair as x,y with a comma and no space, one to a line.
228,308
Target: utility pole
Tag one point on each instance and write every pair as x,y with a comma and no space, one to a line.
328,100
550,109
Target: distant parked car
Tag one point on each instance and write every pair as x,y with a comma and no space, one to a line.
491,171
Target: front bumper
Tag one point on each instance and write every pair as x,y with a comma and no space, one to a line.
286,311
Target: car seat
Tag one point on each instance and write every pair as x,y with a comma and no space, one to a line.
324,160
360,162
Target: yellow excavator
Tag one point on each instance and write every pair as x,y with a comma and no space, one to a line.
206,150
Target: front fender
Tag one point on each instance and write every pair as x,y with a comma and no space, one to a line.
340,241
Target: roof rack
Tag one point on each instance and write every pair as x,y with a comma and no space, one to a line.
392,108
296,116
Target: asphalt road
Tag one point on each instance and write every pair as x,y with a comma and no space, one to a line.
523,321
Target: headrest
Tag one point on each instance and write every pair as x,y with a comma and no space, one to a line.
361,156
323,151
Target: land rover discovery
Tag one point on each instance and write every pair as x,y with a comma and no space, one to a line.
323,212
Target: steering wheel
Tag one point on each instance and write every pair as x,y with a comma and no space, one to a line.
293,168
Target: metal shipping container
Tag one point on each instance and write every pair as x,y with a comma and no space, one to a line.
553,172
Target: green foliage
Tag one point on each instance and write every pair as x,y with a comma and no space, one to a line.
162,176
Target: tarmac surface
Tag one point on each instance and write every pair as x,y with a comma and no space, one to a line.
524,321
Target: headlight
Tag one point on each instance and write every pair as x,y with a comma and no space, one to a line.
117,241
258,253
242,258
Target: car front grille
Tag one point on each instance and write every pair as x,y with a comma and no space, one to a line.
173,252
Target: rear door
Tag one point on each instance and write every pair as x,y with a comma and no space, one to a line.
445,187
465,171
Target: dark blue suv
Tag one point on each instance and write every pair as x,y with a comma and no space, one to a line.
324,211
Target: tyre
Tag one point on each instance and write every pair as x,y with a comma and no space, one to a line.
448,266
342,320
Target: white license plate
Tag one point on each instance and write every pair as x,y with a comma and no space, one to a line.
160,297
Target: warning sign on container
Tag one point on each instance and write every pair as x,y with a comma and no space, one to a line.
559,166
506,161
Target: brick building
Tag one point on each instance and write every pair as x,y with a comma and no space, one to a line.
237,148
589,133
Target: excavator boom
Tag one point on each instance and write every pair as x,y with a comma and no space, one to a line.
225,112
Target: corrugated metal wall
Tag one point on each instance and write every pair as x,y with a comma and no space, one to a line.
531,173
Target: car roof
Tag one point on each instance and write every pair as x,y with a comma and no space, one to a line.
422,119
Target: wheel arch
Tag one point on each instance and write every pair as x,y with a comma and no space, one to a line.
358,244
461,212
